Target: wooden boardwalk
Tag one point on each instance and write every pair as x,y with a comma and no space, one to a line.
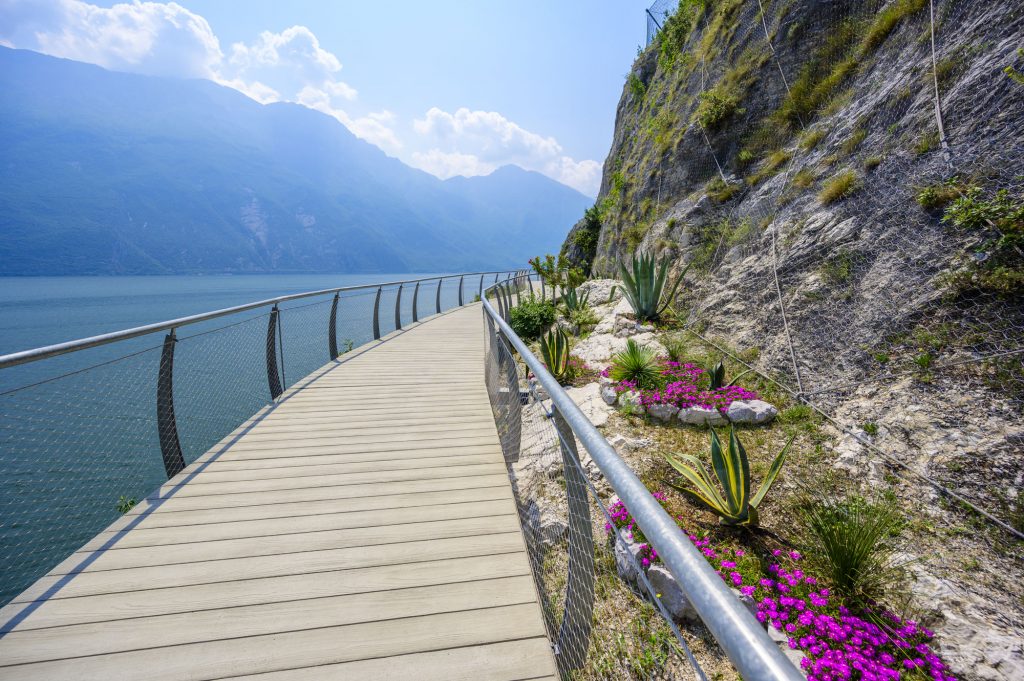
361,528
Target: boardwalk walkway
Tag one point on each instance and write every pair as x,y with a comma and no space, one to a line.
361,528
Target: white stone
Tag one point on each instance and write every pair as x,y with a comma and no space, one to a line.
609,395
699,416
627,567
621,443
670,594
591,402
751,411
748,601
630,401
663,412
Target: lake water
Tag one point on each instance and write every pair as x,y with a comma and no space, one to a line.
78,432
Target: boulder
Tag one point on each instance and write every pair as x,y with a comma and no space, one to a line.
663,412
751,411
630,401
671,595
627,558
544,527
591,401
609,395
699,416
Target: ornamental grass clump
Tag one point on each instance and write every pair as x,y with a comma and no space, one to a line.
638,366
851,543
643,285
734,505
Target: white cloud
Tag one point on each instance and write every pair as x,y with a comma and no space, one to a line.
166,39
476,142
162,39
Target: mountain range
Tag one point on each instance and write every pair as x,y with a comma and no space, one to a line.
113,173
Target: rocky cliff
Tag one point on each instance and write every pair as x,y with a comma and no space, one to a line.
845,181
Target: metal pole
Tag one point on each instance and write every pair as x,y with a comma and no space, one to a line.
480,293
398,308
415,302
167,427
376,315
273,378
332,330
460,290
438,300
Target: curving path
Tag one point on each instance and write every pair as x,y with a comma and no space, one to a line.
362,527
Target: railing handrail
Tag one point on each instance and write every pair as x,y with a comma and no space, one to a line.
741,636
47,351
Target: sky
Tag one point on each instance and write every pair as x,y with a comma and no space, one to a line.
450,87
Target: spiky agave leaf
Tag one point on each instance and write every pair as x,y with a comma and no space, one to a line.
554,347
636,363
644,285
717,375
773,473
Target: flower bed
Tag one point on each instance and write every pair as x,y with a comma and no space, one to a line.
681,389
837,643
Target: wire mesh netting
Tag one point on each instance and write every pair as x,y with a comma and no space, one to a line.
80,435
852,181
604,617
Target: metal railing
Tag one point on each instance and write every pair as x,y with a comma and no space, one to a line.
569,598
88,427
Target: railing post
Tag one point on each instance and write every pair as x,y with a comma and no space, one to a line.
529,280
376,315
332,330
574,632
398,308
519,289
167,426
415,301
273,378
498,299
480,293
460,290
438,299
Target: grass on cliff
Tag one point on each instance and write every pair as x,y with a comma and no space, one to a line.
839,187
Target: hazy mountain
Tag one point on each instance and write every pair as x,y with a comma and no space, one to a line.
104,172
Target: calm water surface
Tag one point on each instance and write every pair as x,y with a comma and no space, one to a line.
78,432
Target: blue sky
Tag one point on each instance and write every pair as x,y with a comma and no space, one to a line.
450,87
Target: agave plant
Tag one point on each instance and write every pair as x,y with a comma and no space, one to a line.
735,506
573,301
637,364
554,348
717,376
644,286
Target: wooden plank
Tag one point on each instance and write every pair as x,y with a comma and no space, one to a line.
117,636
275,589
219,571
118,559
140,536
527,660
274,652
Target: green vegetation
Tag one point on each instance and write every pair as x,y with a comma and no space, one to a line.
810,138
637,364
804,178
820,78
125,504
644,286
1015,75
872,162
838,269
716,376
532,317
999,218
717,237
735,506
850,542
853,141
720,191
554,350
586,237
772,165
870,428
926,142
715,108
572,300
636,86
938,196
839,187
886,21
673,35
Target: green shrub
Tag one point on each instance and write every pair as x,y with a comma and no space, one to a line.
638,364
554,350
715,107
732,470
839,187
999,218
636,86
125,504
838,269
532,317
851,544
938,196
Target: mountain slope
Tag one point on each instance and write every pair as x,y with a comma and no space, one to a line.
108,172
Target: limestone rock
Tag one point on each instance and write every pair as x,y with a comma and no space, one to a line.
671,595
609,395
663,412
751,411
628,568
699,416
590,400
630,401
